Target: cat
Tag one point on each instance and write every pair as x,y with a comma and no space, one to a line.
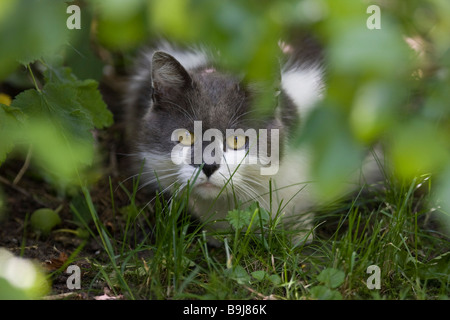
176,96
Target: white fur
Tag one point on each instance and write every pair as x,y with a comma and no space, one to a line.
304,85
240,173
212,198
189,59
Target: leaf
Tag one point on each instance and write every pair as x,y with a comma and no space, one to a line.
240,275
259,275
238,218
107,295
58,129
275,279
335,153
61,118
31,30
332,278
436,268
56,263
88,95
91,100
324,293
11,120
262,216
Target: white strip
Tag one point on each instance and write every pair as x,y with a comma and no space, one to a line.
304,85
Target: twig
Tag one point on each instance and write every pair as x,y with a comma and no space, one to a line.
260,295
65,295
22,191
24,167
17,188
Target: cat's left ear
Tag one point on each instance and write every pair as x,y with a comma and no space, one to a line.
168,74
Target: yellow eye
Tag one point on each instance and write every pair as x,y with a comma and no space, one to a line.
183,136
236,142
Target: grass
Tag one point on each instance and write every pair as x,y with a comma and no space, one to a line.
161,253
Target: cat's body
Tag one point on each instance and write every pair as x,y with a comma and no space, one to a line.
172,89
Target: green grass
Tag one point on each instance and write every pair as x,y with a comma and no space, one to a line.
161,253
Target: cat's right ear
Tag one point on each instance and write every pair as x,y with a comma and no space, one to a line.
168,76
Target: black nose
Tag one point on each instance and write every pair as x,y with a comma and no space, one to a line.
209,169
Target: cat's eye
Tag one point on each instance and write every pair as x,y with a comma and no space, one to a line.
236,142
183,136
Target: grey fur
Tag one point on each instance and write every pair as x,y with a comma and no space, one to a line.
171,89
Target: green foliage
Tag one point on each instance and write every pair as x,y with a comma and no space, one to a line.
55,119
379,91
30,30
44,220
330,279
253,216
10,119
21,279
59,117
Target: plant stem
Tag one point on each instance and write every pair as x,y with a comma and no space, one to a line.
34,79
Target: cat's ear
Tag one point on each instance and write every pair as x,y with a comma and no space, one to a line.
168,75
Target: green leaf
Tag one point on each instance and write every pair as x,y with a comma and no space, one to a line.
91,100
57,104
31,30
21,278
418,147
324,293
11,120
259,275
436,268
61,117
275,279
240,275
238,218
262,216
332,278
88,95
335,153
58,129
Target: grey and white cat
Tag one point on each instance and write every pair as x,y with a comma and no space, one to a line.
174,89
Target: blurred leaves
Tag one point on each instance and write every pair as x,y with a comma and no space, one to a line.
60,117
56,118
30,29
10,120
387,86
21,279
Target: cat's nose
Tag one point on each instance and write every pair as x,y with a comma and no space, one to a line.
209,169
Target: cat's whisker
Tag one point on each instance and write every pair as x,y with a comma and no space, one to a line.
255,195
159,192
189,116
232,119
132,177
157,179
191,106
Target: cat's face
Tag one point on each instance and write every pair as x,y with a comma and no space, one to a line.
201,131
